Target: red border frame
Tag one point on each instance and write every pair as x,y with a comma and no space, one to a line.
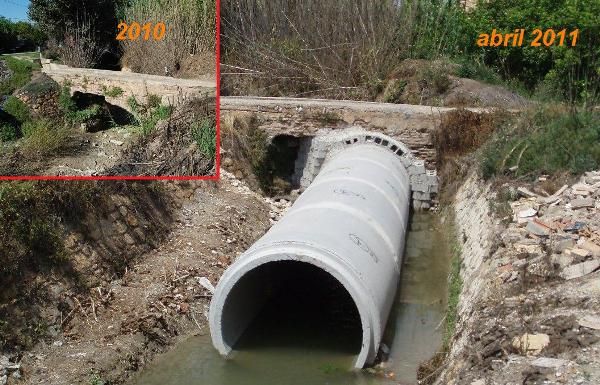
217,174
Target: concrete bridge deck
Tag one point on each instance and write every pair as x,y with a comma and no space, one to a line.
171,90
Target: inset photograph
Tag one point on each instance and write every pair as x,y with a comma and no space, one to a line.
103,89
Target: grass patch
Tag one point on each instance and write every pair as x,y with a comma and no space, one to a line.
455,284
29,232
545,140
21,74
204,133
19,110
247,145
43,137
114,92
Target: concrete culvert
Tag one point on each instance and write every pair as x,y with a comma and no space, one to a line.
345,235
296,300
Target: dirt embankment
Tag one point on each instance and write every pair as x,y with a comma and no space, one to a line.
160,293
529,310
437,83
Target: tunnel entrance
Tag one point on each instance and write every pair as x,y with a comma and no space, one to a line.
294,305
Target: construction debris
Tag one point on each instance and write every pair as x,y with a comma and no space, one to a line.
531,344
547,362
590,321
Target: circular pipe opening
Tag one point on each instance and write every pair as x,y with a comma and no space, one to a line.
291,304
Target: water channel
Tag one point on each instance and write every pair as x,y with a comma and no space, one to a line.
278,353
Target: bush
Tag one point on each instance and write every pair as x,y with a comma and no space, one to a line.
21,74
149,114
15,107
471,68
191,31
56,17
43,137
20,34
8,132
66,102
331,48
29,231
461,132
544,141
41,86
81,47
205,134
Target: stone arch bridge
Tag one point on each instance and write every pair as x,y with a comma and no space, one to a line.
118,86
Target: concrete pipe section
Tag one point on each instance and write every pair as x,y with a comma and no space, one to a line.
350,225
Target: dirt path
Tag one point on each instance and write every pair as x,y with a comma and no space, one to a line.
94,153
160,300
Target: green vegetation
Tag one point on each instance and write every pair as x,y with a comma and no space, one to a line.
60,19
569,73
19,35
544,141
17,109
204,133
318,50
21,74
455,284
469,68
8,132
95,379
41,86
71,113
149,114
114,92
29,229
43,137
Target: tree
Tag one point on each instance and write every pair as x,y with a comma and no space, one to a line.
56,17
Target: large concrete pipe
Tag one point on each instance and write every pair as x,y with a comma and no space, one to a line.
350,222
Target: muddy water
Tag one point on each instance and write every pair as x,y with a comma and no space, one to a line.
272,354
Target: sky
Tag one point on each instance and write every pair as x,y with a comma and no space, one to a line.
14,9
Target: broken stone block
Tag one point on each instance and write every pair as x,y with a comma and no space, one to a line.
525,192
546,362
580,269
577,252
582,189
562,260
582,203
538,228
593,248
560,245
590,321
527,213
531,344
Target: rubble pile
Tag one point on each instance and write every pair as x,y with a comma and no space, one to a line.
8,368
538,320
565,226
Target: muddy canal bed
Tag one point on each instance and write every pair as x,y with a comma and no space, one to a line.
270,353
